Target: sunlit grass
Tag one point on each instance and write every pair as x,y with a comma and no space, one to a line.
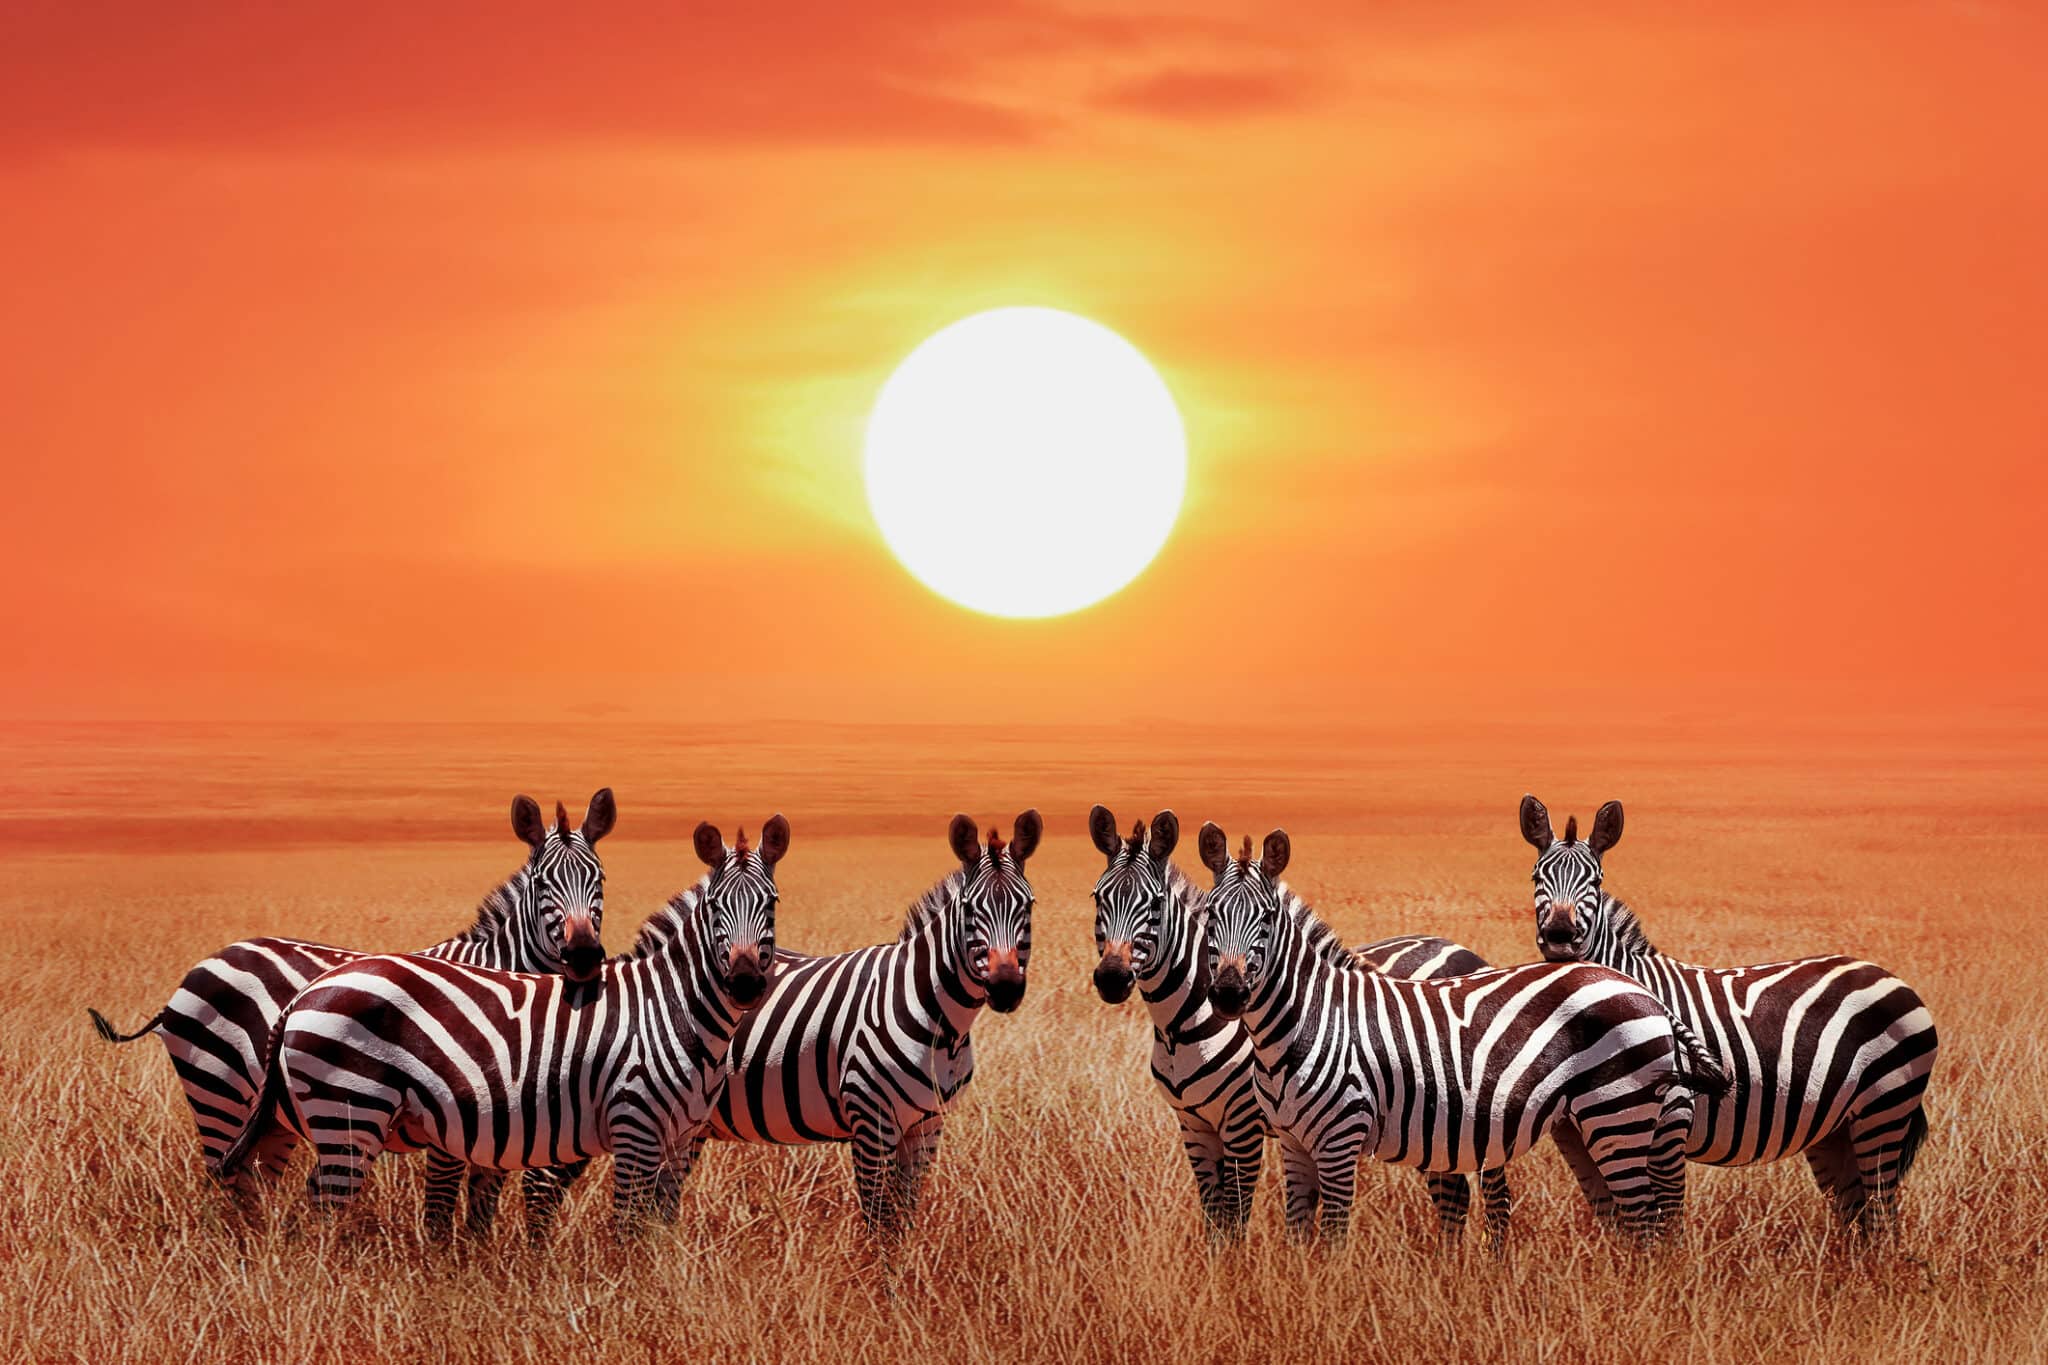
1060,1222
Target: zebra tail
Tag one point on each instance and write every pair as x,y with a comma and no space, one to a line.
112,1035
1698,1067
262,1115
1909,1146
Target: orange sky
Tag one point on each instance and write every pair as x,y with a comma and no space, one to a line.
361,363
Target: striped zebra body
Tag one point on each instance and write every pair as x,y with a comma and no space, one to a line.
871,1047
1447,1076
1827,1056
547,917
515,1071
1147,930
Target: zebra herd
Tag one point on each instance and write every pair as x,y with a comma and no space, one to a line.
518,1045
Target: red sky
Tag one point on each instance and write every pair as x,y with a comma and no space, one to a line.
361,362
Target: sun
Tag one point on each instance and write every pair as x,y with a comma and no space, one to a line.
1025,462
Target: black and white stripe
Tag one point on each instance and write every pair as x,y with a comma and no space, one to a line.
1826,1056
1446,1076
1147,932
512,1071
547,917
871,1047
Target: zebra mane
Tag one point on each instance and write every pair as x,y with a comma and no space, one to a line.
1322,940
932,904
1627,931
665,926
495,912
1184,893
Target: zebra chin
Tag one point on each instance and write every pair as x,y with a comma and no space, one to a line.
583,962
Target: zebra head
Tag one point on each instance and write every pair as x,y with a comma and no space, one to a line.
739,906
1567,877
1130,900
1242,912
995,906
563,908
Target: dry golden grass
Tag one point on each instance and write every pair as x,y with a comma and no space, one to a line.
1060,1221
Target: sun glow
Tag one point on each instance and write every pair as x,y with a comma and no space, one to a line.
1025,462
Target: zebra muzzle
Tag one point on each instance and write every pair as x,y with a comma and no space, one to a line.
745,979
1113,975
1005,980
1230,992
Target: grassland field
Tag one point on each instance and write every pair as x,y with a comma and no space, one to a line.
1060,1221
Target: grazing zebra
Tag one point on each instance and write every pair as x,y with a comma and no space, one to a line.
872,1046
547,917
515,1071
1828,1056
1148,932
1453,1075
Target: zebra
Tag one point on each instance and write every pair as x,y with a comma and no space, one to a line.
547,917
872,1046
1147,931
1827,1056
514,1071
1453,1075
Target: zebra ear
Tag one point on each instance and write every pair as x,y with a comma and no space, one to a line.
1214,847
1536,824
527,822
1278,851
1606,829
710,845
1024,836
964,837
774,840
602,815
1165,837
1102,829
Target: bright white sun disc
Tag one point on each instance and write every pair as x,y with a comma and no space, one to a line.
1025,462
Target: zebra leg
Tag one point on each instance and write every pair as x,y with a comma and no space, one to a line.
875,1140
668,1182
1207,1159
1591,1182
1242,1160
1337,1181
1451,1196
1833,1162
541,1190
1500,1205
444,1190
635,1160
914,1155
1620,1137
340,1166
485,1185
1884,1146
1304,1188
1667,1159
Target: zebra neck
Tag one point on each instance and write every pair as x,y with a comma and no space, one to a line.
1294,973
675,977
1618,941
933,971
503,935
1177,999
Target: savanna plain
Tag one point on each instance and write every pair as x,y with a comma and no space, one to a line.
1060,1221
